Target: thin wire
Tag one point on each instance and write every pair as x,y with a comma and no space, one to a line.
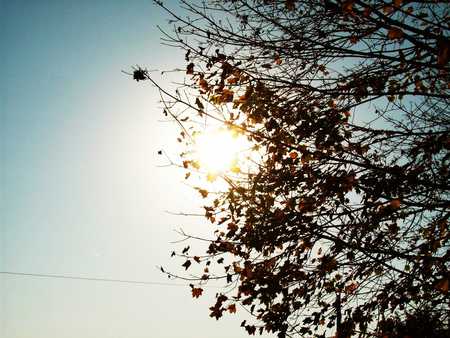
90,278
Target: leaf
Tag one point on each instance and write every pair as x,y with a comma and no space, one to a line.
232,308
388,9
215,312
203,84
232,80
190,69
251,329
277,60
196,292
227,95
186,264
395,33
290,5
232,227
185,250
347,6
395,204
203,192
186,56
293,155
199,104
351,288
139,75
442,285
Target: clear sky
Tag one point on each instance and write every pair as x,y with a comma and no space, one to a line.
81,190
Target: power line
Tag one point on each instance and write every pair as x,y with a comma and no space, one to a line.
89,278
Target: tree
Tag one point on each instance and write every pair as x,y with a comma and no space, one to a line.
341,225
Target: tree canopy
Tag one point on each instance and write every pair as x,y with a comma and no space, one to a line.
339,224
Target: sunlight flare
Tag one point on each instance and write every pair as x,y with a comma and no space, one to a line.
220,151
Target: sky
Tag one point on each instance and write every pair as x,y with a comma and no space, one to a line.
81,186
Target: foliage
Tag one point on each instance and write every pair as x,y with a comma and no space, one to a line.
342,223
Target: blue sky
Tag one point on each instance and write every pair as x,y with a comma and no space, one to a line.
81,190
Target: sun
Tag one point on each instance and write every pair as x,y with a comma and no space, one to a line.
220,151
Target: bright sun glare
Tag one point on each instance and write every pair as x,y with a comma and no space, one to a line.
219,151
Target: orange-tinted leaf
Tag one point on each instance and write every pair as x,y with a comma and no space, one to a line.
388,9
203,84
241,99
237,268
277,60
203,192
442,285
197,292
227,95
290,5
347,6
395,204
232,226
354,39
293,155
395,33
351,287
232,80
232,308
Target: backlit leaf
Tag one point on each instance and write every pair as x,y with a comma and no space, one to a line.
196,292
